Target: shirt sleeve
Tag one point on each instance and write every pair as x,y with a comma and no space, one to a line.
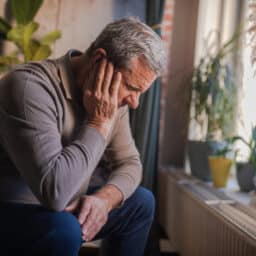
30,135
125,161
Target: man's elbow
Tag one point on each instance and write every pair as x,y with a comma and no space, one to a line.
53,199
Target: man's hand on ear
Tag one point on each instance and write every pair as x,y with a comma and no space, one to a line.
100,98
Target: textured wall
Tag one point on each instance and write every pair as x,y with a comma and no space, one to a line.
2,3
81,20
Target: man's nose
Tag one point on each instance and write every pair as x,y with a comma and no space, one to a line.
134,101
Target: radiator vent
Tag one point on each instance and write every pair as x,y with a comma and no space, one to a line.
201,221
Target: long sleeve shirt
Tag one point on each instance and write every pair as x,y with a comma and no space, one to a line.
48,153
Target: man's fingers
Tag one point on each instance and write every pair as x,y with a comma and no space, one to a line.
99,76
108,78
84,212
116,84
89,222
93,232
91,227
95,219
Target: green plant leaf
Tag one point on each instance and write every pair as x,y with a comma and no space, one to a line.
50,37
43,52
7,62
28,44
31,50
212,86
230,43
16,35
21,35
4,26
25,10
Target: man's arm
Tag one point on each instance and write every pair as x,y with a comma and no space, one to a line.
125,178
93,209
127,170
30,135
124,158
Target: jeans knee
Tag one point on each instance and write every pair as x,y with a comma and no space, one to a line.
146,202
65,232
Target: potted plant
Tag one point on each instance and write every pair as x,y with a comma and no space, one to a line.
212,108
220,164
246,171
28,47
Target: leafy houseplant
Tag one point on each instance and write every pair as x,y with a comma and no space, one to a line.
212,91
213,103
246,171
28,47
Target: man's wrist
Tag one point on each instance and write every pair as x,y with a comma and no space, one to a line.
101,128
111,194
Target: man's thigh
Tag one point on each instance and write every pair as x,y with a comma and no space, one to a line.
23,226
27,227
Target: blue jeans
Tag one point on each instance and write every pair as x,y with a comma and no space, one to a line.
34,230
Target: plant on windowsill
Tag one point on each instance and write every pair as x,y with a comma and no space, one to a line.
246,171
213,106
220,162
28,47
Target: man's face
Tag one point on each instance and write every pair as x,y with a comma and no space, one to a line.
135,81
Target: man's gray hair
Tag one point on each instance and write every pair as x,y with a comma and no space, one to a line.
127,38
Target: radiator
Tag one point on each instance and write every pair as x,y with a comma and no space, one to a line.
201,221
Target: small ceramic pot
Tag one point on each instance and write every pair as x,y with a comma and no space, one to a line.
245,173
220,170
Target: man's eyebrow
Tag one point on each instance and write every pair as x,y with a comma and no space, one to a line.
133,87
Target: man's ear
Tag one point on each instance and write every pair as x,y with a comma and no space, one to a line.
98,55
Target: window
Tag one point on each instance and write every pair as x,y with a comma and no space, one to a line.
247,97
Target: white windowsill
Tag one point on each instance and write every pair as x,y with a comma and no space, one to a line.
232,190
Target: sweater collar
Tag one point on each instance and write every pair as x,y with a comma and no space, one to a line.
66,74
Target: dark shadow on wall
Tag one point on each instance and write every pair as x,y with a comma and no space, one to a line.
124,8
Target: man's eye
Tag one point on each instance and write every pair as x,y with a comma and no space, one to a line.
129,88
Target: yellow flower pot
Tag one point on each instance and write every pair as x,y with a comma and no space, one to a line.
220,169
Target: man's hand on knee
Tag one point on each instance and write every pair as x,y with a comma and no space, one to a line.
92,214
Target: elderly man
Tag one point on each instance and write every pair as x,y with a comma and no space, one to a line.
70,171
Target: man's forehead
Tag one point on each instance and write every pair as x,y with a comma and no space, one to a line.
134,79
138,74
141,73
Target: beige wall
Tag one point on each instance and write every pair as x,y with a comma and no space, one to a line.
2,3
81,20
